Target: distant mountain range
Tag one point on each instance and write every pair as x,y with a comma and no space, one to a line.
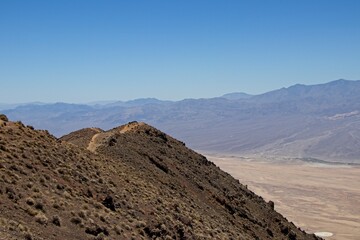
317,121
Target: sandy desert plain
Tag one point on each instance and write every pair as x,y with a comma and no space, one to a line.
318,198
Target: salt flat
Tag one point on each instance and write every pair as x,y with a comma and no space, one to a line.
316,197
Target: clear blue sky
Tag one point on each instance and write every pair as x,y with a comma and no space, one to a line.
81,51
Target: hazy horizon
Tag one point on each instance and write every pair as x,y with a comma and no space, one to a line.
97,101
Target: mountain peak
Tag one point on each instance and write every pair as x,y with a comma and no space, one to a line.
342,82
236,96
131,126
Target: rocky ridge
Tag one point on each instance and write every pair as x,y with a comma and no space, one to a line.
135,182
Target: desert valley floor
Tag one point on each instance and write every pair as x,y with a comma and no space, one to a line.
316,197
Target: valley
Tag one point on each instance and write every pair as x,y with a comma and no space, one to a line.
316,197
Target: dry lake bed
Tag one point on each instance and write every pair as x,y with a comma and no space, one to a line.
318,198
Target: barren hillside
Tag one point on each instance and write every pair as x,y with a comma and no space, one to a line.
135,183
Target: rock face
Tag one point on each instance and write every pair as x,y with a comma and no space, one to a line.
134,183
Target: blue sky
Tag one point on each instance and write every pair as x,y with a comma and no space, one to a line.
82,51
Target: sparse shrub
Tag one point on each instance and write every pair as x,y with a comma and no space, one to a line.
100,236
140,224
118,230
28,236
109,202
12,225
292,235
21,227
102,218
30,201
85,207
4,118
269,232
41,218
56,220
10,192
42,180
67,194
96,230
3,148
28,165
39,206
56,206
272,205
82,214
32,212
98,205
76,220
284,229
126,227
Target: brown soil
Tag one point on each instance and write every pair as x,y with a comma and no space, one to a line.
137,184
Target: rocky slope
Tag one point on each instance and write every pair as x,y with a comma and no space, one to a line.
132,182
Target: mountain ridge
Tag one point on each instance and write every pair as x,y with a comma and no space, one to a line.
137,183
295,122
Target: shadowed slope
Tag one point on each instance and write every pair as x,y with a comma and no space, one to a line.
139,183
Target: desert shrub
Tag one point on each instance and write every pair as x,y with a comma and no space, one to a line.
41,218
284,229
140,224
85,207
101,236
269,232
39,206
292,235
98,205
67,195
82,214
95,230
32,212
118,230
109,203
56,206
56,220
4,118
30,201
272,205
28,236
10,192
12,225
3,148
76,220
102,218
